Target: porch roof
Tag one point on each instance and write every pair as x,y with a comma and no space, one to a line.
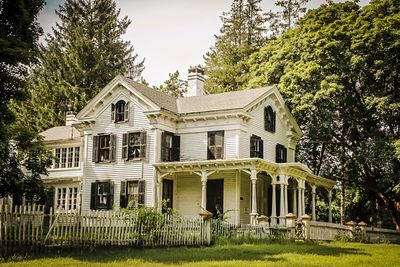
293,169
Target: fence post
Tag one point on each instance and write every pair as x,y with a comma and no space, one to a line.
352,226
290,224
306,219
263,221
363,227
206,215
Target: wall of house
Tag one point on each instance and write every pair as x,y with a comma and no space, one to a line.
245,205
120,169
256,127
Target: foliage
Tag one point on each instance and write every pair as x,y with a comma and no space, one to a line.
83,53
174,86
242,33
339,72
284,20
23,157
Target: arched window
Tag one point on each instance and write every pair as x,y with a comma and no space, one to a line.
269,119
120,111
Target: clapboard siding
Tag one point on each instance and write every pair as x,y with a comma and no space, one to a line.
231,144
256,127
194,146
245,198
120,169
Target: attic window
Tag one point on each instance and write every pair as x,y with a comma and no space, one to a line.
269,119
120,111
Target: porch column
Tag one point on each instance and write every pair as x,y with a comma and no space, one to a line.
313,192
253,178
282,203
294,202
285,189
303,199
273,204
159,193
204,190
300,205
330,205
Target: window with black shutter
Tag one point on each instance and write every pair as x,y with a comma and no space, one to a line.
215,145
102,195
134,145
132,194
281,153
256,147
104,147
120,111
269,119
170,147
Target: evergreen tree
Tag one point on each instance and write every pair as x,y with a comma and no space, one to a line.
242,33
174,86
20,148
84,52
285,19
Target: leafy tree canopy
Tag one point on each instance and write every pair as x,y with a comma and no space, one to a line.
174,86
339,71
84,52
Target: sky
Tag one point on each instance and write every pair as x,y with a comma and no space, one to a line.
170,34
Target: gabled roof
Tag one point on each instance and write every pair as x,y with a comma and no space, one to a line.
60,133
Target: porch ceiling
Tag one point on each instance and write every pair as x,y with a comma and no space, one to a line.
293,169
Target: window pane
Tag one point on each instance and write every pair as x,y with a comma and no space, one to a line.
76,161
63,157
70,156
57,158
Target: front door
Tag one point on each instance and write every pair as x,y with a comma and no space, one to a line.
215,196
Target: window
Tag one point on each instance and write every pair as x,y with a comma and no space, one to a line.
66,157
132,194
167,193
281,153
120,111
134,145
256,147
102,195
215,145
269,119
66,198
104,148
170,147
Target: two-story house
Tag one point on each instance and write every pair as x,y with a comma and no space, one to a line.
232,151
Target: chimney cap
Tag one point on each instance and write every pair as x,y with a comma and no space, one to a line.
196,70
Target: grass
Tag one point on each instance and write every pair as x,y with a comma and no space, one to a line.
271,254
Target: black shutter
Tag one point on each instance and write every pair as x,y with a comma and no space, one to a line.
284,154
95,154
274,122
112,112
123,198
126,110
266,118
111,195
210,154
163,145
141,195
261,144
93,196
277,150
143,144
125,146
176,147
113,145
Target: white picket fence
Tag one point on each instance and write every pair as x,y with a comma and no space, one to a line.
230,230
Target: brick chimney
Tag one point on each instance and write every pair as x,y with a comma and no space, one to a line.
195,82
70,116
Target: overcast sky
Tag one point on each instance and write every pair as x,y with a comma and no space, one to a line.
170,34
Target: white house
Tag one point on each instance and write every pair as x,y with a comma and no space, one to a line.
137,146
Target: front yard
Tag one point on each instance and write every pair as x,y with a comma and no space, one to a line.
274,254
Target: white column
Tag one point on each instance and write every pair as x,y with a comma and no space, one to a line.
313,192
273,206
303,199
330,205
282,203
203,190
294,202
300,205
285,187
159,193
253,178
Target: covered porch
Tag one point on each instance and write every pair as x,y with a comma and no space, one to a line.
242,188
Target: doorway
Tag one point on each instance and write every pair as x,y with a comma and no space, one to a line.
215,196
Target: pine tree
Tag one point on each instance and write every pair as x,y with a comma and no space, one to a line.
174,86
242,33
84,52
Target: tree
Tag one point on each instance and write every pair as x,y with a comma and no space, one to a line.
22,155
242,33
291,12
339,71
174,86
84,52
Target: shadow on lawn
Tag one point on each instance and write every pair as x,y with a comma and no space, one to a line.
266,252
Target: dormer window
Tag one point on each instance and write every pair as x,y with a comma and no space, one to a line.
269,119
120,111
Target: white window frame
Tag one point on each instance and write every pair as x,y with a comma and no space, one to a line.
67,158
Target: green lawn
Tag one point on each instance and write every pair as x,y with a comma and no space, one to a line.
292,254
